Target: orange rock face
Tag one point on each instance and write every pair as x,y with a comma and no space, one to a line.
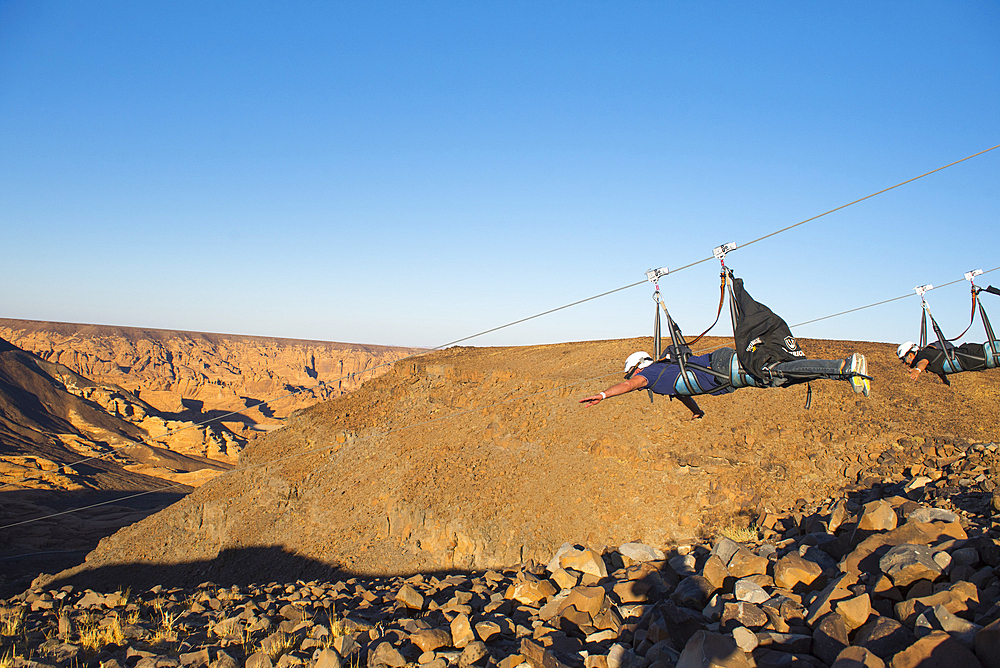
185,372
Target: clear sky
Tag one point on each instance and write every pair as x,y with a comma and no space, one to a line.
412,173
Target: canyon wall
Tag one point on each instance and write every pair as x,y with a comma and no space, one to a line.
183,374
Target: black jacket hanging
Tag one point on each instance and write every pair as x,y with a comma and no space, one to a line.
762,338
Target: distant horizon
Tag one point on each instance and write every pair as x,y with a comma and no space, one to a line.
710,335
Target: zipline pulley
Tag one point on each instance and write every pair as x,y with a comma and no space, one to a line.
719,252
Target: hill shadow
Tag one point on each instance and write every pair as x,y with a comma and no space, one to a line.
38,535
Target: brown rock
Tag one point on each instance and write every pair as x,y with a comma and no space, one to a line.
632,591
741,614
715,571
385,654
532,592
327,659
884,637
956,599
429,640
539,656
830,638
712,650
823,603
473,653
791,570
865,558
585,561
905,564
409,597
744,563
461,631
693,592
589,600
935,650
877,516
488,630
855,611
857,657
565,579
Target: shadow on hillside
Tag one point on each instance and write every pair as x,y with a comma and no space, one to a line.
194,412
240,566
48,531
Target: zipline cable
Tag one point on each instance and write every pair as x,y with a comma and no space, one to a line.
543,313
388,432
559,308
886,301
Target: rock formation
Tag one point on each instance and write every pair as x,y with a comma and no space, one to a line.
192,372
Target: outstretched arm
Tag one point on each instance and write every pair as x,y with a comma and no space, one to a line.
692,406
634,383
915,371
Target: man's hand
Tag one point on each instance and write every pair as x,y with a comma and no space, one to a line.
915,373
633,383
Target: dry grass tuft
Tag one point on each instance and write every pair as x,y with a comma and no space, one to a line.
12,621
94,635
741,533
276,645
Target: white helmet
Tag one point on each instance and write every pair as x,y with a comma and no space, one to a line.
905,348
639,360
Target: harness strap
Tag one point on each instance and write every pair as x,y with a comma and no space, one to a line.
718,313
972,318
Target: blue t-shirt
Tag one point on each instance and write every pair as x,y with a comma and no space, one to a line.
662,378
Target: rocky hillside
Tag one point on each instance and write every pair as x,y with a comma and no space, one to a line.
483,457
189,374
59,451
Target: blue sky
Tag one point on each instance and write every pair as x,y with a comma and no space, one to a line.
412,173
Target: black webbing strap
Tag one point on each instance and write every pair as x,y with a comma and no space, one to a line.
718,313
990,336
923,326
972,318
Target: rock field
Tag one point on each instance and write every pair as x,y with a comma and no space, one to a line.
900,574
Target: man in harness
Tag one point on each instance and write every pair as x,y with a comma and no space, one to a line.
662,377
972,357
766,355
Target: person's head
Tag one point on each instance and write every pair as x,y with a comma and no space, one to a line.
907,351
636,361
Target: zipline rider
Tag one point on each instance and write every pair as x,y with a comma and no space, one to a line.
661,377
932,358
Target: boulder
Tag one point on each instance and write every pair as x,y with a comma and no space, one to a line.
905,564
936,650
712,650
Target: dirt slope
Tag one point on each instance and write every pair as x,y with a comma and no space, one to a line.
478,457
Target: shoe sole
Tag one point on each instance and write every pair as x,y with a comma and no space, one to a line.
861,366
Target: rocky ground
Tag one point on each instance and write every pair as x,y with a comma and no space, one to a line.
887,572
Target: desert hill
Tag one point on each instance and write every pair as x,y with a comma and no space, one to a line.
472,458
59,451
193,374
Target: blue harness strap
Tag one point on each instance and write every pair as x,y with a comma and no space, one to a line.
991,350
